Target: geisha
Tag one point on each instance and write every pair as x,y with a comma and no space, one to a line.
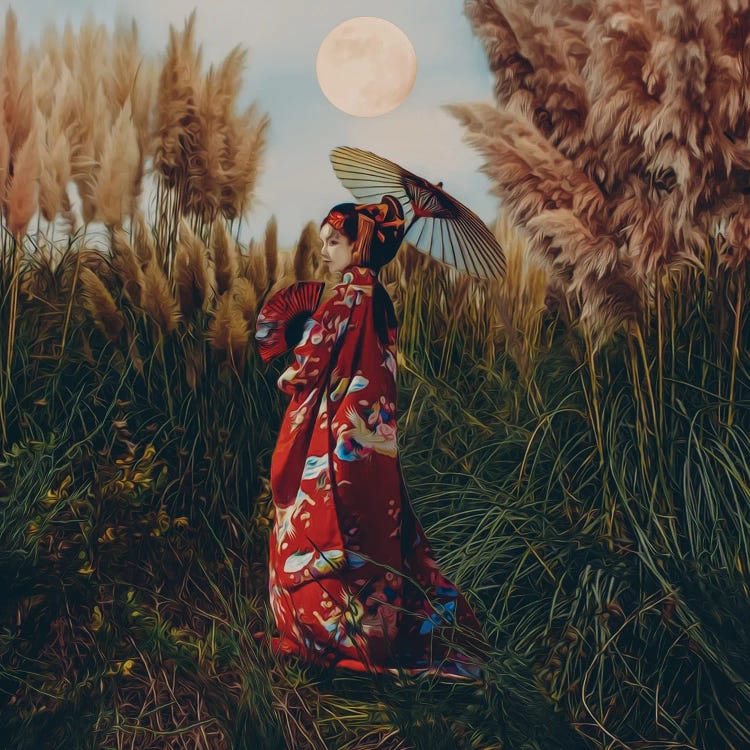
353,582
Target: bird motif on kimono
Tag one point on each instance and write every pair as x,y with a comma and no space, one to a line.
359,440
287,518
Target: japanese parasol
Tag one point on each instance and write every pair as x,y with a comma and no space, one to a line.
436,223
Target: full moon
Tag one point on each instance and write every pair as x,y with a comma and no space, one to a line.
366,66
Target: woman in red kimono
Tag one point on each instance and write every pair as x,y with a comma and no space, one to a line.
352,579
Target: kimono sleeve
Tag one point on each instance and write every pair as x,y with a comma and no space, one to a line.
321,338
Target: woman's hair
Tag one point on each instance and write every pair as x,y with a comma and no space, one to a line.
381,226
351,219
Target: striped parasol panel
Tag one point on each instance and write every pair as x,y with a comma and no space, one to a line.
437,223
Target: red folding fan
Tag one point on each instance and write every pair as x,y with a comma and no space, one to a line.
282,318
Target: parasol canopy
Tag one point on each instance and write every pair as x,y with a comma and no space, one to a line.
436,223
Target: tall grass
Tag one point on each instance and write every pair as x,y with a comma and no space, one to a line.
587,491
596,501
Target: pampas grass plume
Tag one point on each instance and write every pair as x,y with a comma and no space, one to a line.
254,269
55,176
119,166
100,304
158,300
4,163
23,191
271,249
226,257
143,240
125,264
194,277
303,254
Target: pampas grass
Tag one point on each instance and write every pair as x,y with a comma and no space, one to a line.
194,274
4,163
206,157
618,141
17,90
143,239
54,178
225,256
254,268
233,319
158,300
271,249
127,268
304,252
100,305
22,197
120,164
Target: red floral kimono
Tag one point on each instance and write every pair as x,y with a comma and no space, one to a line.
352,580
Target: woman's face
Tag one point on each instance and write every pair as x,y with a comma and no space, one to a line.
337,249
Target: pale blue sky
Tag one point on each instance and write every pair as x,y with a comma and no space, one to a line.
282,38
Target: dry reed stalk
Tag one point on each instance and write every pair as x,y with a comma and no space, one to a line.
194,367
51,48
98,76
100,304
89,113
411,261
243,139
391,273
15,270
226,257
204,150
561,208
516,306
68,45
734,244
218,332
133,352
70,220
227,135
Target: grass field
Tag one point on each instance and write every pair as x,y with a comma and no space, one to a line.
582,467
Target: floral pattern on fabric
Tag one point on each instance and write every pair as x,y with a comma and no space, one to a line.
351,574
